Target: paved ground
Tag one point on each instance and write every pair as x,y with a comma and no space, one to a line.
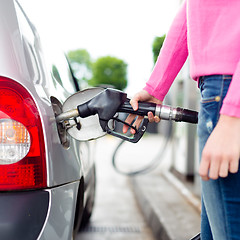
169,214
116,215
170,211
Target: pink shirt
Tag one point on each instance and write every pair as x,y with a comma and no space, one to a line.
208,31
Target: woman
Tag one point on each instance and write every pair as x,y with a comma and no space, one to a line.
208,32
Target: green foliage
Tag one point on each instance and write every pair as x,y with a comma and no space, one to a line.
80,56
81,64
157,45
109,71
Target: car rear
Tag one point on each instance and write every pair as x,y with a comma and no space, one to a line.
40,180
22,164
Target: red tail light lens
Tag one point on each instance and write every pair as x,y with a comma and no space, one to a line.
22,150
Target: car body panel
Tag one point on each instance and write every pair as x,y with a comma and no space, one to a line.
23,59
63,164
59,223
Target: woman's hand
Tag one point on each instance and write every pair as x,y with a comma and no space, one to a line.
142,96
222,150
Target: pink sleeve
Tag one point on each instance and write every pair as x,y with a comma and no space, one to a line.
172,56
231,103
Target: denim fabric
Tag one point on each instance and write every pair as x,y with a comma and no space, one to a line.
220,218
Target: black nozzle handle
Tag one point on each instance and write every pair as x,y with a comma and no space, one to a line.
162,111
105,105
143,108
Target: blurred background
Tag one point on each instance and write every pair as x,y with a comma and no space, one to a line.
116,43
118,28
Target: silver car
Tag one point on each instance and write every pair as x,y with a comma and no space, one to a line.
47,179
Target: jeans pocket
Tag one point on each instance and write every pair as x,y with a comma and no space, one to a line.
210,99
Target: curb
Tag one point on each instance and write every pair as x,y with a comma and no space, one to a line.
188,195
170,209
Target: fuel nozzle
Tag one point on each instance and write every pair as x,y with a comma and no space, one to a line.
106,105
162,111
109,102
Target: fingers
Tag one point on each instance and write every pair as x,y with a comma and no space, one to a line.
134,103
204,168
234,165
128,120
214,169
221,152
223,169
138,121
143,96
153,118
215,166
140,96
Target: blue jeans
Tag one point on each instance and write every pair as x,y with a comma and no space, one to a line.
220,217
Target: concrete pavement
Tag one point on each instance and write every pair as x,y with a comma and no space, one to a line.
170,215
170,209
116,214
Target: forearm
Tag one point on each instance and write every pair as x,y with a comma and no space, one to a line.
171,58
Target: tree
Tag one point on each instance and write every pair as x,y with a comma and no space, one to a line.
156,47
81,64
109,71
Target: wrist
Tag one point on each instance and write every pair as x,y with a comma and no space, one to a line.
229,120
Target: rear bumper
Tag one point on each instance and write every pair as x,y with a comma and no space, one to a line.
38,215
22,214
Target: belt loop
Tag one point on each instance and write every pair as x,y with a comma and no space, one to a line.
227,77
200,81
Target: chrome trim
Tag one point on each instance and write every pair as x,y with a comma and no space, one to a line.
165,112
174,113
158,110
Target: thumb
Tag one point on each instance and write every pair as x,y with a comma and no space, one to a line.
134,103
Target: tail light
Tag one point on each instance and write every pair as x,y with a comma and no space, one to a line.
22,150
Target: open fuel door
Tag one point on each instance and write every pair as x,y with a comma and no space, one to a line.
82,129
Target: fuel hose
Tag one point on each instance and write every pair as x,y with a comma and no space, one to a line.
156,160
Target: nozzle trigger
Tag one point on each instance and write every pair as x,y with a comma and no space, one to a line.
135,137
